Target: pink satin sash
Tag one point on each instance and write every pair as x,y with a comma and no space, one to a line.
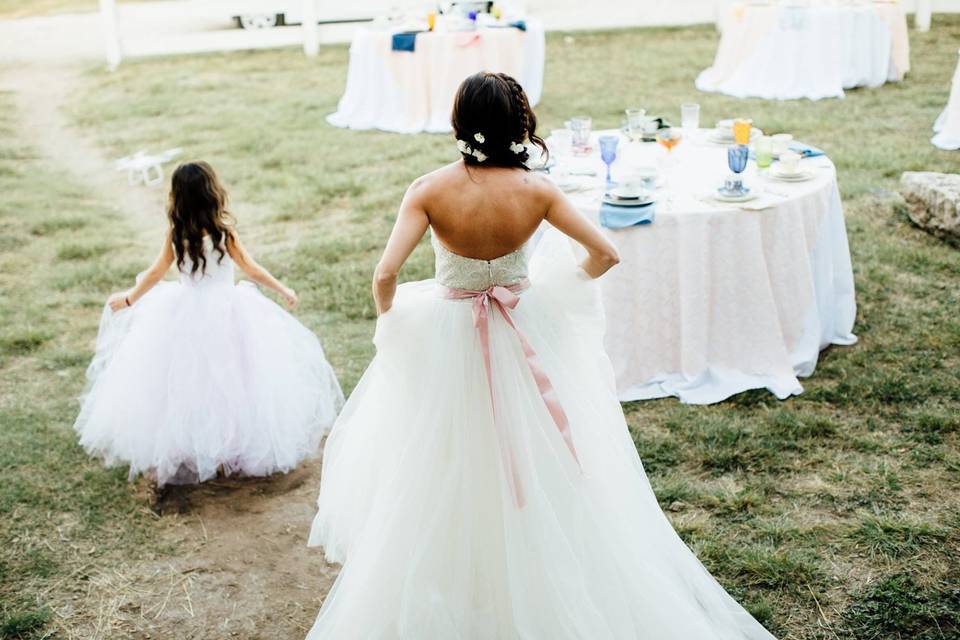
505,298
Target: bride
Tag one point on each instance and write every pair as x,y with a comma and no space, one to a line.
481,483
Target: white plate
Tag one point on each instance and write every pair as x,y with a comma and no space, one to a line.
627,203
800,176
716,137
642,195
744,198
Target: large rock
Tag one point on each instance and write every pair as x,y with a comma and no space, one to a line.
933,202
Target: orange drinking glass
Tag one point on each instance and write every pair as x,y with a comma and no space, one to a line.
741,130
669,138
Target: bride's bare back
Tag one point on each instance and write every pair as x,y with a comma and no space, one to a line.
484,213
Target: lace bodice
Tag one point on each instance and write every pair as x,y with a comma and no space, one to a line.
217,271
459,272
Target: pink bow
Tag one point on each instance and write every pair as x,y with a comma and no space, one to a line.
505,298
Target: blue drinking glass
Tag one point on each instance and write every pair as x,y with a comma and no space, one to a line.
608,152
737,156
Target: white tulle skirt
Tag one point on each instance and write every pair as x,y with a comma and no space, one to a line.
415,502
193,378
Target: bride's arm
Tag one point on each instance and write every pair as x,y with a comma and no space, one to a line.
412,223
601,254
150,278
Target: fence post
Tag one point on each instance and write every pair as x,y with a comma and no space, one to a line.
111,37
922,18
311,35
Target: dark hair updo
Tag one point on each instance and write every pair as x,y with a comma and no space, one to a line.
491,119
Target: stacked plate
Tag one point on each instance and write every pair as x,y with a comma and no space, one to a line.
623,196
799,174
723,133
746,195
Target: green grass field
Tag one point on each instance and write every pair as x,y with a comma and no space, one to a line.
831,515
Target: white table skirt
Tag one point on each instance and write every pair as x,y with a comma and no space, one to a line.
947,127
788,53
710,301
412,92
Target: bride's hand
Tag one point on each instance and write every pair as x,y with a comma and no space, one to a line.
290,297
118,301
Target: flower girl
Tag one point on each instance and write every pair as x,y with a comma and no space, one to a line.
201,375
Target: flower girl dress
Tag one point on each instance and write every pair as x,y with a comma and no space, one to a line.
481,483
204,373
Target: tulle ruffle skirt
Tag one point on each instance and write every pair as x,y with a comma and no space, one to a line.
199,377
415,498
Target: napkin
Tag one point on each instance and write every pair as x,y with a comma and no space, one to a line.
805,151
516,24
617,217
405,41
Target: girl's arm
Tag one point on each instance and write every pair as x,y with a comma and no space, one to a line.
255,272
601,254
151,277
412,223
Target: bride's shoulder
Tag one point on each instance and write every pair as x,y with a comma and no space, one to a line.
438,175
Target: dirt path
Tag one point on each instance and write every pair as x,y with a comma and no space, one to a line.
240,568
39,92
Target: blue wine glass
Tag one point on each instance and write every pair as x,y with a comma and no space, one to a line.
737,157
608,152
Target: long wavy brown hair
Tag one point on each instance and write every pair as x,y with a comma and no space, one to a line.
198,207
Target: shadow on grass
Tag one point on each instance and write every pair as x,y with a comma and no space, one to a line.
230,491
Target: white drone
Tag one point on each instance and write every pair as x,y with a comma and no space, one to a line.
146,169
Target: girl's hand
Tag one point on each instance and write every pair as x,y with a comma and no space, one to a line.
118,301
290,297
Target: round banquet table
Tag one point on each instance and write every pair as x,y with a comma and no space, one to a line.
814,52
947,127
710,299
412,92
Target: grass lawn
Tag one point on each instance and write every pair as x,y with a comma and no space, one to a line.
830,515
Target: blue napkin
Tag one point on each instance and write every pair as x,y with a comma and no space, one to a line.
405,41
805,150
616,217
516,24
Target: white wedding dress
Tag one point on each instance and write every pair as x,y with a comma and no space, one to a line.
202,373
455,522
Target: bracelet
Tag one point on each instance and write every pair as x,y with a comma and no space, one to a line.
127,300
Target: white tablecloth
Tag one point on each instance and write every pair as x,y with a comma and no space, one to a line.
412,92
815,52
947,127
711,300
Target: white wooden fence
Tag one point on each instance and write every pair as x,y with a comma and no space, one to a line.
557,14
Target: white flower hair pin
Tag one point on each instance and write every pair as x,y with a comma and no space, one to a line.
479,137
467,150
517,147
